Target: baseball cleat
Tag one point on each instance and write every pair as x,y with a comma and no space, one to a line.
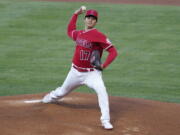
107,125
48,99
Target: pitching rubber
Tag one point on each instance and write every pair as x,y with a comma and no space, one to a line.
33,101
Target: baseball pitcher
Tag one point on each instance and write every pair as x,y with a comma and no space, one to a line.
86,66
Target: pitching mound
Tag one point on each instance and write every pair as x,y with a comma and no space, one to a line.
78,114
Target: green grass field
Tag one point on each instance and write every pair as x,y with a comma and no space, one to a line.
35,52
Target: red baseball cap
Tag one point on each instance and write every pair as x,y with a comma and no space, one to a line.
92,12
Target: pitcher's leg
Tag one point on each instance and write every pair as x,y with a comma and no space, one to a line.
104,105
94,81
71,82
103,102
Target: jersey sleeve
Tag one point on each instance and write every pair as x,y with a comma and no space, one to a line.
74,34
106,45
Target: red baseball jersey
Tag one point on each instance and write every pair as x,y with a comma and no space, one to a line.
86,42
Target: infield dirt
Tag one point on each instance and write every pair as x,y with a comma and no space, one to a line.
78,114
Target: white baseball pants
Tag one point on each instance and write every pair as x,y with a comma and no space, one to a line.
92,79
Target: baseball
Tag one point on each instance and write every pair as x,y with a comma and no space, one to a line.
83,8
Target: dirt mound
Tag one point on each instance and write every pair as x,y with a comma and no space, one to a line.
78,114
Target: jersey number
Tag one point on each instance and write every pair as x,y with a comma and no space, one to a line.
84,55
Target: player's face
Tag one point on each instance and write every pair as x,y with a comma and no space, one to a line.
90,22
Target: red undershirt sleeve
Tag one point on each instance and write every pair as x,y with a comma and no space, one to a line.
111,56
71,29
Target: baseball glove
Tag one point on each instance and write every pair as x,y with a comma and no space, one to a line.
96,60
